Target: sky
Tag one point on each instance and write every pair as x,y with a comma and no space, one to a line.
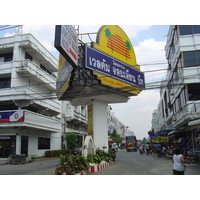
149,45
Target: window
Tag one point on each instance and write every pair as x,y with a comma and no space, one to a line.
29,57
193,91
5,82
6,57
189,29
45,69
196,29
191,58
43,143
185,29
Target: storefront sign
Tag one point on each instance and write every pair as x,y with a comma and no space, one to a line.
159,139
12,116
64,73
114,68
66,42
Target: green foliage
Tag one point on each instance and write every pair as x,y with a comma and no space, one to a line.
56,153
99,157
94,158
116,137
72,140
144,141
72,164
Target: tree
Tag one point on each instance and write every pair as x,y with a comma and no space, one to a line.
116,137
72,140
144,141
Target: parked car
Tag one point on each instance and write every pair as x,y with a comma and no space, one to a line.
77,150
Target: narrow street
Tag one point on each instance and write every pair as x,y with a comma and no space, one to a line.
132,163
126,163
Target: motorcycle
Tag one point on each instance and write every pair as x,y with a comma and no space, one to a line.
141,151
113,153
162,153
169,153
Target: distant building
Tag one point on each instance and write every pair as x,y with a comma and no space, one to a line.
115,124
29,112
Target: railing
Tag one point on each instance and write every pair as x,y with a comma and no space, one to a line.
26,66
30,120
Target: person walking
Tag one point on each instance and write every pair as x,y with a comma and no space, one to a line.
158,149
178,162
147,148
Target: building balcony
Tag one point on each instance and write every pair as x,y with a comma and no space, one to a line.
16,94
26,67
27,120
31,44
76,117
190,112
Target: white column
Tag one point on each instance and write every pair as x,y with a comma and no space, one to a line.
18,144
100,129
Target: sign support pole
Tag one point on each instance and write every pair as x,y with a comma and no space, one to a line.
98,128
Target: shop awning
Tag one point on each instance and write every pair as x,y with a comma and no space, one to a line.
163,132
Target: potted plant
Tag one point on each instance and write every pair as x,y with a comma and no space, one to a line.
72,164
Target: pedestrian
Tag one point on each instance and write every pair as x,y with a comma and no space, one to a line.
158,148
147,148
178,162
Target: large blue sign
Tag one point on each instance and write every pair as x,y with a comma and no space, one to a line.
111,67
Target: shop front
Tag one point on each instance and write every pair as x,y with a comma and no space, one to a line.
7,146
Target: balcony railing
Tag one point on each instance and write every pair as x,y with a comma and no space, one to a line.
29,68
30,120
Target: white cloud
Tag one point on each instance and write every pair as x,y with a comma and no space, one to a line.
133,30
150,55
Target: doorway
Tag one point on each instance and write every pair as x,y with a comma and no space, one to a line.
7,146
24,145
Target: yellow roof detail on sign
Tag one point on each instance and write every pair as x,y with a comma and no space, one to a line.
113,41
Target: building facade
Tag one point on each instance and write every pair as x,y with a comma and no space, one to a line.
115,124
179,106
74,120
29,112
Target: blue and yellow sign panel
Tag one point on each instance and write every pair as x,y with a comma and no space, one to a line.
159,139
113,41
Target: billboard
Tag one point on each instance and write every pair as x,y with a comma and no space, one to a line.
66,42
64,74
113,41
111,67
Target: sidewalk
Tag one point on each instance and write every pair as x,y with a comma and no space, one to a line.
3,161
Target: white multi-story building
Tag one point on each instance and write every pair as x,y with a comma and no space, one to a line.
74,120
179,106
29,112
115,124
